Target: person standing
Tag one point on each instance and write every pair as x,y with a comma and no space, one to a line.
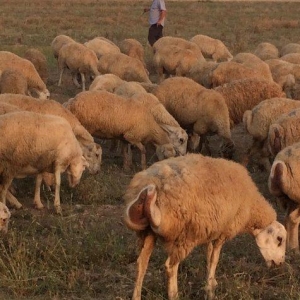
157,15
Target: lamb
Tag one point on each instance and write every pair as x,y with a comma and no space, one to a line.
79,59
133,48
174,60
266,51
35,84
58,42
108,116
212,48
257,122
4,217
13,82
242,95
284,183
124,66
290,48
91,151
284,131
28,134
39,61
102,46
197,109
193,200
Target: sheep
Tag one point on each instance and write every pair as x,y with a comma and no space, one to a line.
6,108
79,59
266,51
107,82
257,122
293,58
102,46
133,48
192,200
58,42
108,116
242,95
91,151
35,84
36,151
13,82
4,217
212,48
124,66
39,61
284,131
252,61
174,60
197,109
283,183
290,48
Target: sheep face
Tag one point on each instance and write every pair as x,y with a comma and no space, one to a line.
4,217
272,243
43,95
178,138
93,155
165,151
75,170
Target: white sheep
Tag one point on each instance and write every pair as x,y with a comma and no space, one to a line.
199,110
35,84
58,42
257,122
284,131
124,66
193,200
290,48
4,217
78,59
212,48
133,48
40,143
39,61
266,51
109,116
242,95
102,46
13,82
174,60
284,183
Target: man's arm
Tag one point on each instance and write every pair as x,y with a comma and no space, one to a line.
163,14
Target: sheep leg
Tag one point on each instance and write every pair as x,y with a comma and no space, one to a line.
75,80
13,200
83,81
127,156
143,155
142,264
213,255
292,226
57,191
172,272
37,193
6,182
60,76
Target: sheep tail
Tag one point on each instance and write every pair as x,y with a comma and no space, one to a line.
143,211
278,173
247,119
274,139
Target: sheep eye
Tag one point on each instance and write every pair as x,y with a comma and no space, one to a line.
279,239
181,141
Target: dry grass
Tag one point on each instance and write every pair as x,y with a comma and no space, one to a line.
88,253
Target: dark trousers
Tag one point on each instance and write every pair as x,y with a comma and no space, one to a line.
155,33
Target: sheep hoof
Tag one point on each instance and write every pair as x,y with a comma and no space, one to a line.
58,210
39,206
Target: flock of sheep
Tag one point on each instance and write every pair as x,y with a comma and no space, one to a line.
185,199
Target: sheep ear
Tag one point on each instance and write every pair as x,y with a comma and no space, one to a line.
168,128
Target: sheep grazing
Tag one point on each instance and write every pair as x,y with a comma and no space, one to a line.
39,61
173,60
212,48
266,51
124,66
257,122
4,217
106,82
284,132
284,183
193,200
102,46
133,48
38,151
197,109
58,42
35,84
13,82
108,116
78,59
290,48
242,95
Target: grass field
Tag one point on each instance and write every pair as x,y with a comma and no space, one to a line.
88,253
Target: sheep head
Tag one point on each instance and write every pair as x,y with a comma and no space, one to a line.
4,217
165,151
271,242
93,154
75,170
43,94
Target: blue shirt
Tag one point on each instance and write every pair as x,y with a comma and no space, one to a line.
155,9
